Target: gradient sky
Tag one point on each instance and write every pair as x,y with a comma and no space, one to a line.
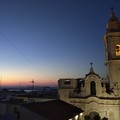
44,40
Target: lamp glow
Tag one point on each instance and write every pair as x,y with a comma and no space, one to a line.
81,114
76,117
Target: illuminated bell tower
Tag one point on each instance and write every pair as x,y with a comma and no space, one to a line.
112,49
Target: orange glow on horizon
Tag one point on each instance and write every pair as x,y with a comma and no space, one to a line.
24,78
26,81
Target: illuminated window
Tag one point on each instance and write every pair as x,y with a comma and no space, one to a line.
117,50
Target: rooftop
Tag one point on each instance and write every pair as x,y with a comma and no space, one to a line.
54,110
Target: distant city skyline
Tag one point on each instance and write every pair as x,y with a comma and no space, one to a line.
44,40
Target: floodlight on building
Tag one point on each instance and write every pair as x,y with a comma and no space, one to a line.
81,114
76,117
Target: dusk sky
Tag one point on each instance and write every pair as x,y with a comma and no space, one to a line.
44,40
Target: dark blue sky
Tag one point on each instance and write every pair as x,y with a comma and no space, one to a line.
46,40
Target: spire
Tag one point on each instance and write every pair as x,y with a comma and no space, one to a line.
91,71
113,16
91,68
113,23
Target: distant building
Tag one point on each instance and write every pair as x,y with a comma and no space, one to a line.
98,97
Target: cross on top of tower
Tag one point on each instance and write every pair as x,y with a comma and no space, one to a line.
91,68
91,64
112,8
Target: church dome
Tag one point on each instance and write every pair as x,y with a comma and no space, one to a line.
114,23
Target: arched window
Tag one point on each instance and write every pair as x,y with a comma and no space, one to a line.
93,88
117,50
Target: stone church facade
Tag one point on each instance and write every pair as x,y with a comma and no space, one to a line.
98,97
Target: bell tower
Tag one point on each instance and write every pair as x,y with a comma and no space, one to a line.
112,51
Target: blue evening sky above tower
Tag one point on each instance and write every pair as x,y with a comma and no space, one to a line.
46,40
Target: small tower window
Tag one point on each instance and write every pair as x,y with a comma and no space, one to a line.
117,50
